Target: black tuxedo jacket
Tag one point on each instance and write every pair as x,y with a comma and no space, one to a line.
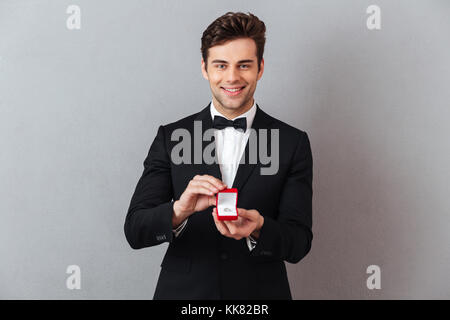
201,263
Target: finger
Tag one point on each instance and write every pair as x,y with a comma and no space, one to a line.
230,226
200,190
213,180
193,185
225,231
219,224
212,200
248,214
233,228
205,184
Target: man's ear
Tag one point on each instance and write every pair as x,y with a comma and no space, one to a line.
261,69
204,73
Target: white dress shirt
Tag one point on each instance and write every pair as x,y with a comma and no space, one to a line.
230,145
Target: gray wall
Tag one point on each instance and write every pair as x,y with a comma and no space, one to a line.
80,108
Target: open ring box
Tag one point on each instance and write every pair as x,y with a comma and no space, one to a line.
226,204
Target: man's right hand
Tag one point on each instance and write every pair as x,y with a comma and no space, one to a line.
199,195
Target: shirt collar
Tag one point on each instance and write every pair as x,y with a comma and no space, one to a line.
249,115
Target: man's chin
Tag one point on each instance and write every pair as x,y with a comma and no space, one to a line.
232,105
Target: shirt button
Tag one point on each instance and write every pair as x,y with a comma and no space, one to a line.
223,256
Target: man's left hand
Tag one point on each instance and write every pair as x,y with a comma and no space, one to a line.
249,222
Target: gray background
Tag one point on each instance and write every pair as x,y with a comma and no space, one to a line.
79,110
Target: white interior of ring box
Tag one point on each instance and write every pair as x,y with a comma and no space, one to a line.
226,204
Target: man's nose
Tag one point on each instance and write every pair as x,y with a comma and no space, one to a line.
232,75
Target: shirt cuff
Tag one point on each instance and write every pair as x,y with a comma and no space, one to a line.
177,231
251,243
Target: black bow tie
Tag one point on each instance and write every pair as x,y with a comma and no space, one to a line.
221,123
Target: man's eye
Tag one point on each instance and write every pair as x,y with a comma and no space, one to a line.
242,66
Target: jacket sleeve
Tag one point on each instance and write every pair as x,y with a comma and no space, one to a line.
149,217
289,236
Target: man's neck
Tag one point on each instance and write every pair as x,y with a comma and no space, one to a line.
231,114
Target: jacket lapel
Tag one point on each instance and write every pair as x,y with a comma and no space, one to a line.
245,169
210,169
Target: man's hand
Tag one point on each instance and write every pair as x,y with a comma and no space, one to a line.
249,222
198,196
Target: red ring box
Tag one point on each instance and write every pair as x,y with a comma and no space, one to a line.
226,204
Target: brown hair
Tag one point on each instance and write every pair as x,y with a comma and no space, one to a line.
231,26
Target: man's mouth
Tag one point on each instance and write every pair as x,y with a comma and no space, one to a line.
232,91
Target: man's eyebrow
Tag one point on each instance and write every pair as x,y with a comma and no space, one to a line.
240,61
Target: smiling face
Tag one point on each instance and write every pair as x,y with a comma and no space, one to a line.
232,74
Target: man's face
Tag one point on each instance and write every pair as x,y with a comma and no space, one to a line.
233,66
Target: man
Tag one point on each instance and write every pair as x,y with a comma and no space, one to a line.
175,202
